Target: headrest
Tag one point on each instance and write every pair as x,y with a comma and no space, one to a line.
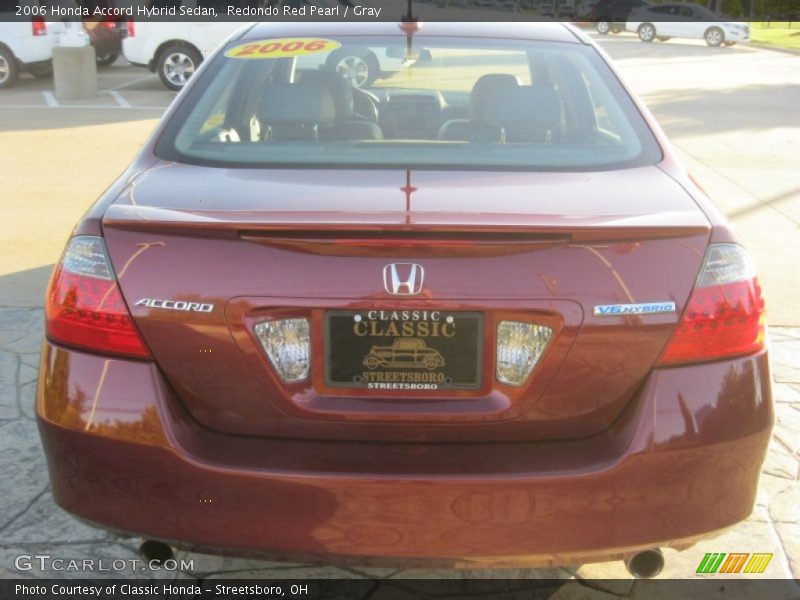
297,103
485,85
527,108
341,90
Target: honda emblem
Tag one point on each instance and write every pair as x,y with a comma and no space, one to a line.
403,279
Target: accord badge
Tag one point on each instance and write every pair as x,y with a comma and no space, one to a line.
175,305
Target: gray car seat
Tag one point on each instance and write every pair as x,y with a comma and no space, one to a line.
525,114
346,126
295,112
475,128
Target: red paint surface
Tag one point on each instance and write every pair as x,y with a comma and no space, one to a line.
600,453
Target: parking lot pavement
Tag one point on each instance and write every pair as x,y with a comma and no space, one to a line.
120,86
731,112
61,156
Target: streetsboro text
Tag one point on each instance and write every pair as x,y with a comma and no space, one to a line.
130,11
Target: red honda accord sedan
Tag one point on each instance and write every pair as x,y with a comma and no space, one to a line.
475,312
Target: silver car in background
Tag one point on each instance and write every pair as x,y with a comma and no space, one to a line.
686,20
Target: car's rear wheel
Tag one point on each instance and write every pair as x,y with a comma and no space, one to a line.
41,70
714,36
360,69
106,60
603,27
176,64
647,32
9,69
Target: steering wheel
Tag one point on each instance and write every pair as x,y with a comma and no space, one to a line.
365,104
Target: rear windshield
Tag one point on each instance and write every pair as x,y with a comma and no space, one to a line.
384,102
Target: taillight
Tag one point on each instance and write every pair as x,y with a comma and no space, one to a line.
725,314
38,27
131,29
84,307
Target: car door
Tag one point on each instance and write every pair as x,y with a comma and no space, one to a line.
663,19
685,23
696,24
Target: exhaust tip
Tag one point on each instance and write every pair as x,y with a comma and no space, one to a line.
156,552
645,564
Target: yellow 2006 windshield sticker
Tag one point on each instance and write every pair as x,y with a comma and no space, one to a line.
282,47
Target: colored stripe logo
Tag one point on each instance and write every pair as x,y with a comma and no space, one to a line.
735,562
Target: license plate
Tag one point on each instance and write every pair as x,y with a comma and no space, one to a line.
406,350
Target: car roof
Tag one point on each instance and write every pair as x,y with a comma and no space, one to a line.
548,32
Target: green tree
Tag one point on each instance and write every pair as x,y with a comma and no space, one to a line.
733,8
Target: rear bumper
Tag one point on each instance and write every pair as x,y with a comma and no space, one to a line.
139,51
682,462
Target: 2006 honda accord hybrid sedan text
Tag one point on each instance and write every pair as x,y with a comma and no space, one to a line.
473,313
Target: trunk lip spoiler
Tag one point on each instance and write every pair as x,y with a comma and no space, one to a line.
667,224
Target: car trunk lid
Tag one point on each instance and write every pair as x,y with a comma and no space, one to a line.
545,248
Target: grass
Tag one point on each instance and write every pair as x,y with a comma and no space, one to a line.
778,34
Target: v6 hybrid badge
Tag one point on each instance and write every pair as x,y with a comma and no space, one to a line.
647,308
175,305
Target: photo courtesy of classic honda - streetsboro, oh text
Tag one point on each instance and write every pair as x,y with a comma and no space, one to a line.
472,312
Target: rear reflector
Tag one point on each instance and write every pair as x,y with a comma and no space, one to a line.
287,345
519,347
725,314
84,307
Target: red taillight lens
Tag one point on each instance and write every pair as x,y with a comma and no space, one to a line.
84,307
725,314
131,29
38,26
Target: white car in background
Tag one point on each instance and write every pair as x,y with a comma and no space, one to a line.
25,45
665,21
175,50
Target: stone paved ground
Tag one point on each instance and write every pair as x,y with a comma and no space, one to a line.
31,523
